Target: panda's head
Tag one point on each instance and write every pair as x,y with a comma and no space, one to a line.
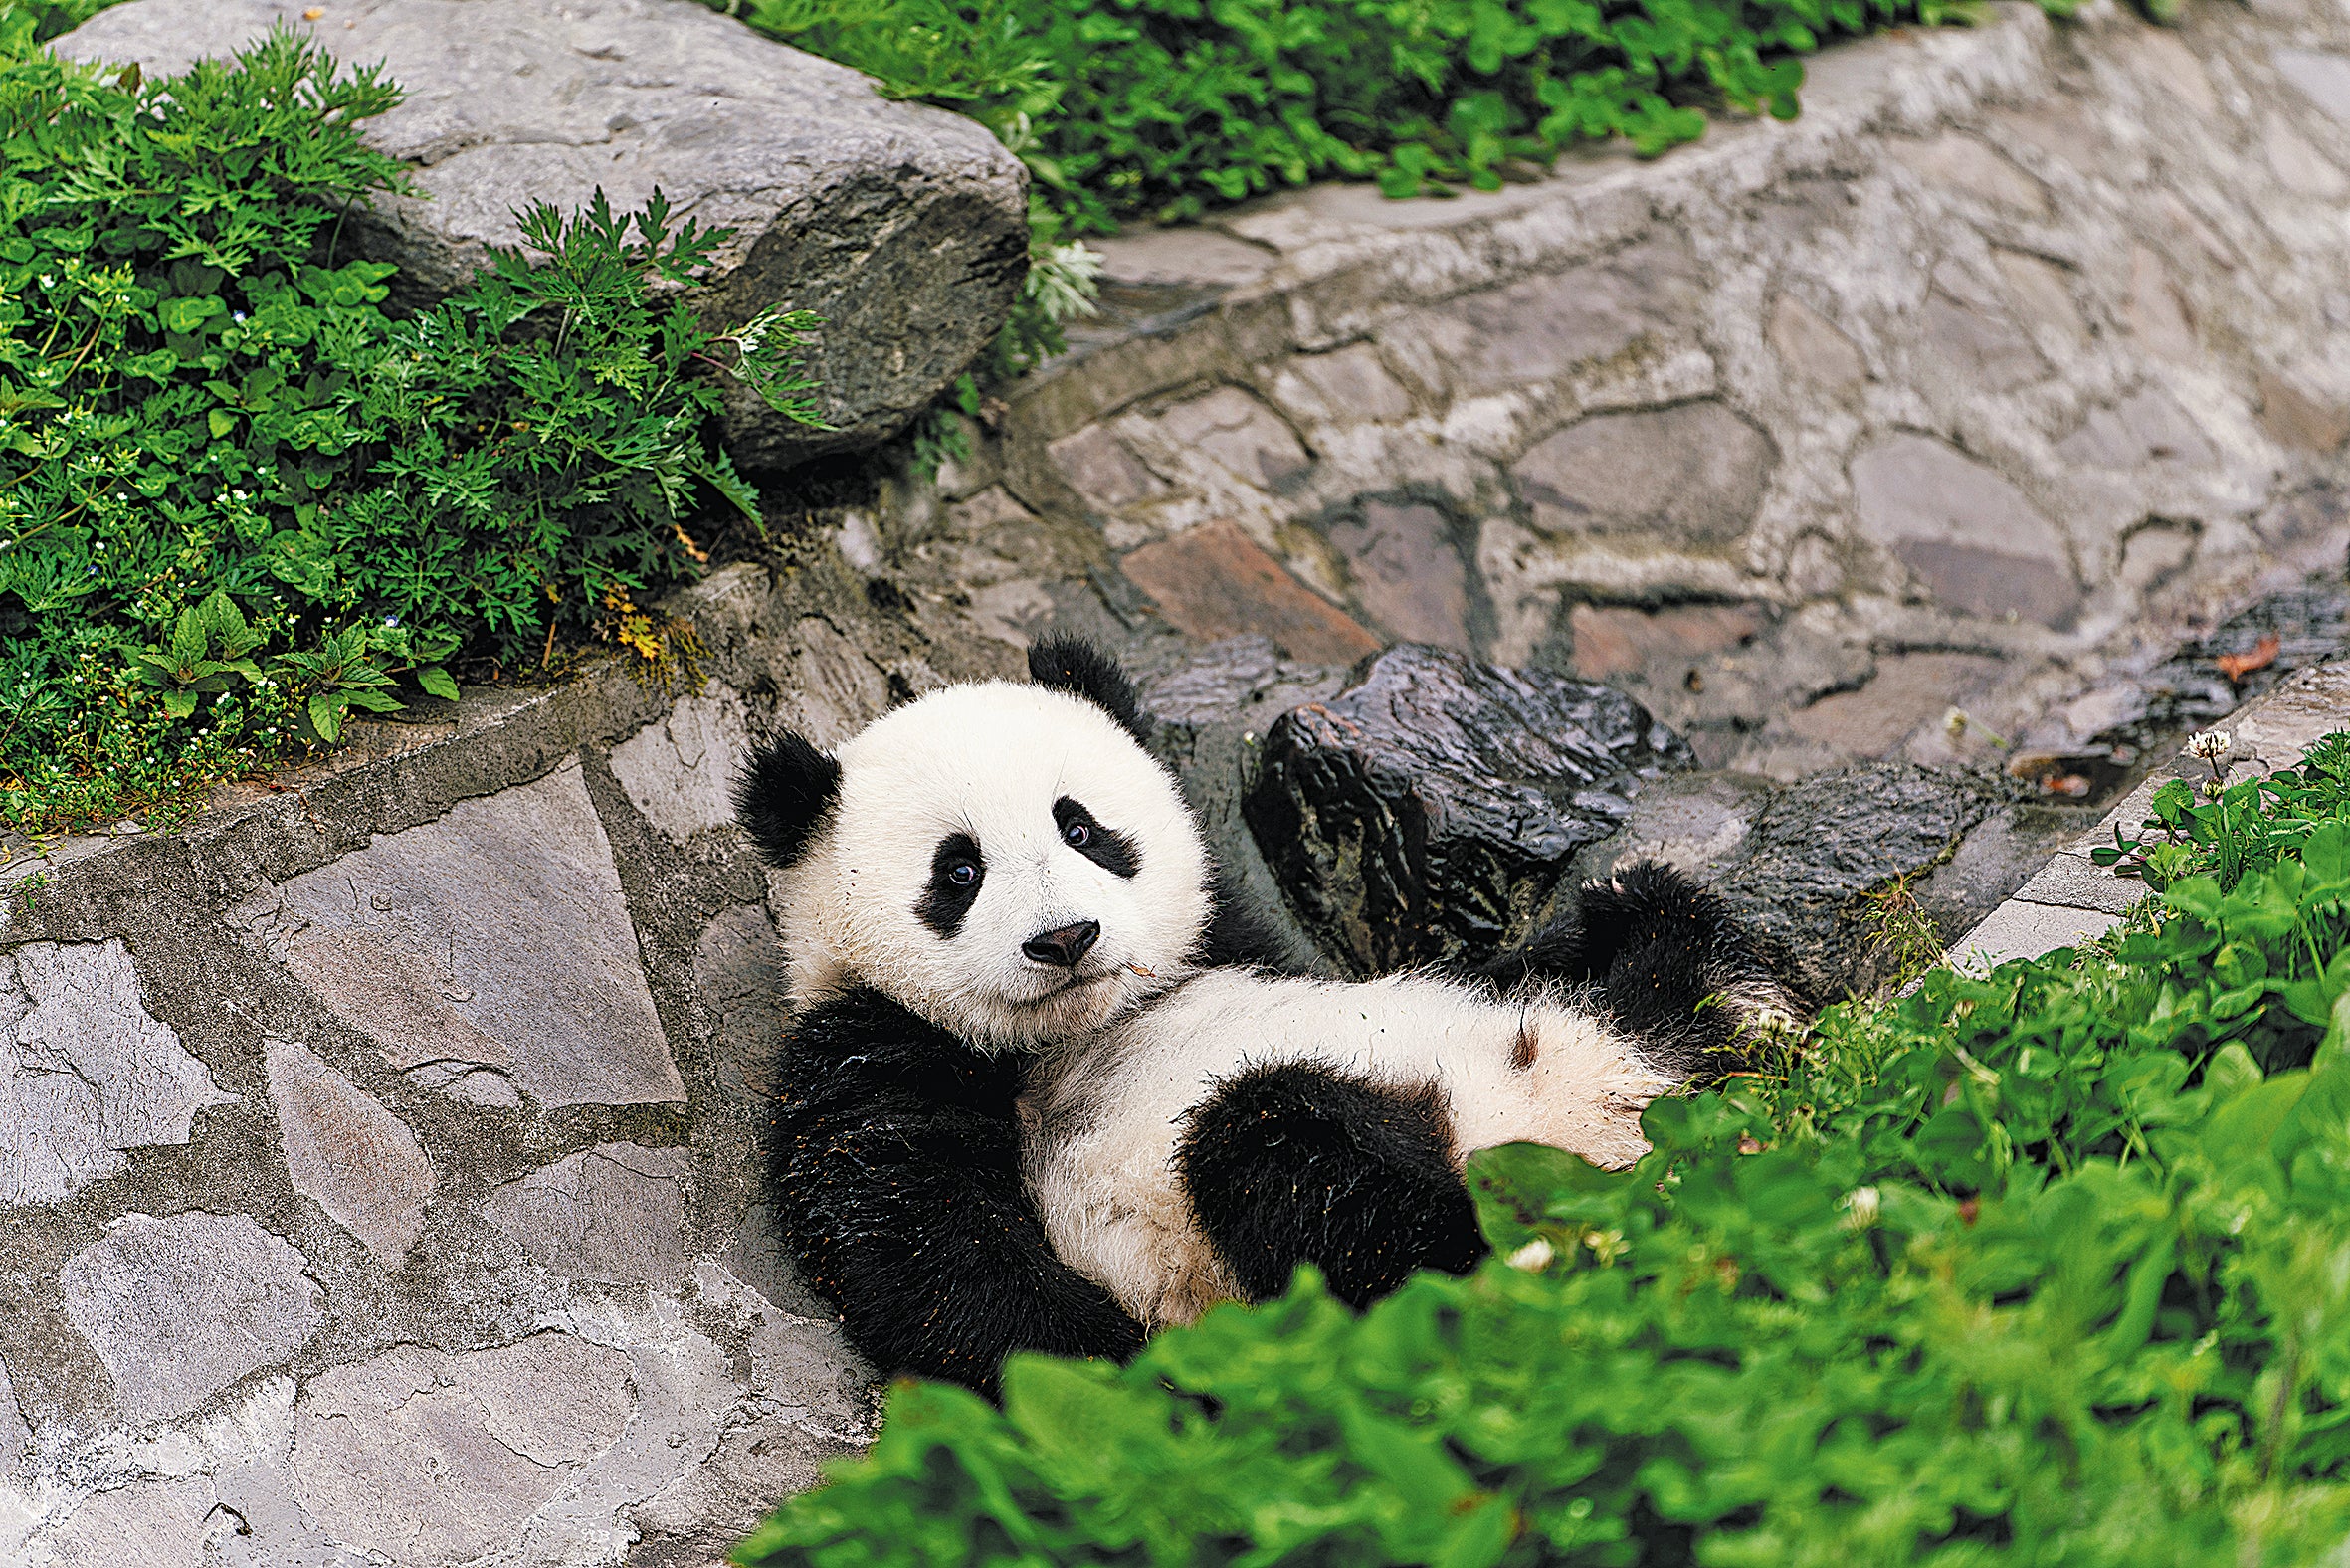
1003,858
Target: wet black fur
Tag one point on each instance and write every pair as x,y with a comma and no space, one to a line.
1299,1162
894,1161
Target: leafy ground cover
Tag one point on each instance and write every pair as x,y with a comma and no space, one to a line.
1163,108
237,501
2048,1267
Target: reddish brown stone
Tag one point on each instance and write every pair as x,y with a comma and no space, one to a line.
1613,642
2295,418
1216,582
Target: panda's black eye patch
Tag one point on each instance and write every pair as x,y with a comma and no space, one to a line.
956,872
1106,848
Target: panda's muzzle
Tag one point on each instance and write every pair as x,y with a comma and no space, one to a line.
1063,946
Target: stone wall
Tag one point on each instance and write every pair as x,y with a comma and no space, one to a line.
376,1156
2024,348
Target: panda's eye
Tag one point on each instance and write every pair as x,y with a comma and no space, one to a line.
963,873
1077,835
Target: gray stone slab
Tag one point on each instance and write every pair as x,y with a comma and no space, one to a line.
2323,77
1974,540
2017,929
85,1071
344,1151
496,936
679,770
1693,474
899,224
613,1214
425,1458
2077,882
180,1309
154,1524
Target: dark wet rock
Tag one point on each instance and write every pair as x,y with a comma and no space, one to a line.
1818,850
2189,690
1800,863
1804,864
1424,809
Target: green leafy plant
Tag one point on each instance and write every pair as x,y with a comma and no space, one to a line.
2049,1265
1166,107
2236,827
238,503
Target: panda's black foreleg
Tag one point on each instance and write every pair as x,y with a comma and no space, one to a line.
1677,970
895,1166
1298,1162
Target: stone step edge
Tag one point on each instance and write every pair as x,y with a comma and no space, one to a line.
2072,898
1314,279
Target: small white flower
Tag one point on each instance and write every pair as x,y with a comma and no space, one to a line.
2210,744
1863,1207
1533,1257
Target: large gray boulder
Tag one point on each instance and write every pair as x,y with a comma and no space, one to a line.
904,227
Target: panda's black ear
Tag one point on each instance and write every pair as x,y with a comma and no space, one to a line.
782,794
1073,665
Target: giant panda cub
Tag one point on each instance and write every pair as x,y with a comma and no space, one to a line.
1046,1087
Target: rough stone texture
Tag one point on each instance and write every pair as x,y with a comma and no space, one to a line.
899,224
15,1436
613,1214
1407,573
349,1155
1801,862
1421,811
679,772
1969,534
1815,850
425,1457
492,937
90,1074
1693,471
1215,582
353,1297
180,1309
2028,344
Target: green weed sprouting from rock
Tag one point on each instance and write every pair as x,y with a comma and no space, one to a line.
2049,1265
238,502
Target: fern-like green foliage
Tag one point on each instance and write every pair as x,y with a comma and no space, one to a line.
1166,107
238,502
2050,1266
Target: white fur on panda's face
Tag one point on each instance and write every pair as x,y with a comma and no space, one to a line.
981,819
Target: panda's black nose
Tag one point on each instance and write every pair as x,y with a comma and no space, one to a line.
1064,946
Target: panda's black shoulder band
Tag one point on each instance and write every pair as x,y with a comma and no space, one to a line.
1073,665
782,795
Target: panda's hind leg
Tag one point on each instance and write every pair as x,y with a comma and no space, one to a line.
1295,1162
1680,971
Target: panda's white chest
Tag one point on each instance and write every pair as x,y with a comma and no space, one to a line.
1107,1115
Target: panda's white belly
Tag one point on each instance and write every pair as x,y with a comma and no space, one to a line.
1107,1116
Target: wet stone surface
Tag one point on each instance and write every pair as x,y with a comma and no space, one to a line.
1420,811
